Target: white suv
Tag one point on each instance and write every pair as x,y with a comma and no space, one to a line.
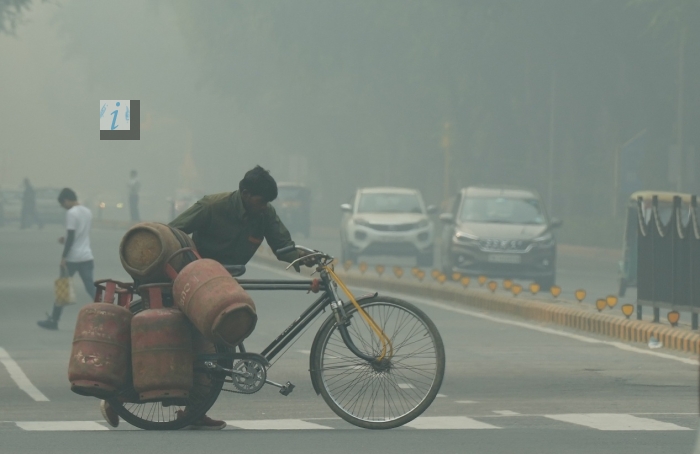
387,221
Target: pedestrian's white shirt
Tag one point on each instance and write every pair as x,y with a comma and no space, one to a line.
79,218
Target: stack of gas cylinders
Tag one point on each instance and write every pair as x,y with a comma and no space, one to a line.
190,304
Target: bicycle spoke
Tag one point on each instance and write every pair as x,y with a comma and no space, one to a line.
380,392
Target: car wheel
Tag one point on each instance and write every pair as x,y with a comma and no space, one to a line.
425,260
548,282
346,255
446,265
623,287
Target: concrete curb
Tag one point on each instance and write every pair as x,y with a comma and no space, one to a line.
615,327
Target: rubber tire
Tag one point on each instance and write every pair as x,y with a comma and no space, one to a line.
345,255
318,349
548,282
187,419
425,260
622,289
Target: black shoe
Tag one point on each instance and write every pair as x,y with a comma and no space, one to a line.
49,323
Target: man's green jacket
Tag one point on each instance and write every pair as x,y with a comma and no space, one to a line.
222,229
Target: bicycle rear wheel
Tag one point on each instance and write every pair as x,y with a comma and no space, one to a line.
174,414
388,393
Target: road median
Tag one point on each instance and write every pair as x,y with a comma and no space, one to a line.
555,312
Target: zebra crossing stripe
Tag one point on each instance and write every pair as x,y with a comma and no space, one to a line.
448,422
60,425
276,424
615,421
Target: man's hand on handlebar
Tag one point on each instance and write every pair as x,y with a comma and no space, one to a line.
313,259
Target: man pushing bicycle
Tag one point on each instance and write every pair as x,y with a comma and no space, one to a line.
230,227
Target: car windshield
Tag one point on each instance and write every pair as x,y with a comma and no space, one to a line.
389,203
289,194
502,210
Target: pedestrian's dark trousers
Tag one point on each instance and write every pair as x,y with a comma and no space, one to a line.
134,207
30,216
85,271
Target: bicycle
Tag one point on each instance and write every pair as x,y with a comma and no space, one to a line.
378,362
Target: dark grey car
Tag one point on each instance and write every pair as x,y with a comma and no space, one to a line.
500,232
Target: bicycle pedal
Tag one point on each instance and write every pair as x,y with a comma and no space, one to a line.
287,389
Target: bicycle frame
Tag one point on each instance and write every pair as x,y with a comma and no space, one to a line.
329,297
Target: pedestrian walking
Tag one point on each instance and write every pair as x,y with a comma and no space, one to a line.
134,187
29,215
77,255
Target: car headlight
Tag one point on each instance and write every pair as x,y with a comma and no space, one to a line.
465,237
546,240
423,223
543,238
361,222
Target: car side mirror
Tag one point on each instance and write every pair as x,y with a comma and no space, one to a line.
431,209
447,218
555,223
346,207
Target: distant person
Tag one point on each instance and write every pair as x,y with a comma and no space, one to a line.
29,215
77,255
134,187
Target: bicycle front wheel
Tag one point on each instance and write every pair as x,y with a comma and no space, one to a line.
381,394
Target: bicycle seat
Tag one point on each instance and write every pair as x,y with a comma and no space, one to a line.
235,270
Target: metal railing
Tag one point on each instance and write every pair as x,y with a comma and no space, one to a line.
668,259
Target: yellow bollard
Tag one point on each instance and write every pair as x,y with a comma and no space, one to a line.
555,291
516,289
363,267
456,276
534,288
398,271
601,304
627,310
347,265
673,318
493,285
482,280
580,295
611,301
465,281
507,284
380,269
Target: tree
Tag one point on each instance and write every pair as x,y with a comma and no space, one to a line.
11,14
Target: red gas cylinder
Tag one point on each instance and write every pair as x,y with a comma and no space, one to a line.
99,363
214,301
161,349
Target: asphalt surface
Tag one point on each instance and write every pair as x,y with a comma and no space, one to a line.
510,386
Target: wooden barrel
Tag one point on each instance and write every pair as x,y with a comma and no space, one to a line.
146,247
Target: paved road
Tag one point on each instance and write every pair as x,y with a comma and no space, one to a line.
510,386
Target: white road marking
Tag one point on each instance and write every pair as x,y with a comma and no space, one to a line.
20,378
612,421
60,425
304,352
406,386
441,395
506,413
466,402
276,424
448,422
590,340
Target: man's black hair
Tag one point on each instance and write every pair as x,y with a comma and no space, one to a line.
259,182
67,194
